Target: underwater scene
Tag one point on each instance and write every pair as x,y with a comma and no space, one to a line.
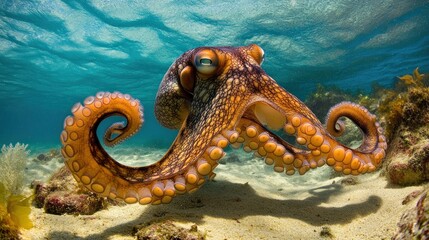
214,119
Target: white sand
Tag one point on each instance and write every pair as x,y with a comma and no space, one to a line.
248,200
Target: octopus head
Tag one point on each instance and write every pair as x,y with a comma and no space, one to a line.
204,75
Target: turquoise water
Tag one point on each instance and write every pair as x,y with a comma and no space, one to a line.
55,53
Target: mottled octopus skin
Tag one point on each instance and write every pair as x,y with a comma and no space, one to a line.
216,96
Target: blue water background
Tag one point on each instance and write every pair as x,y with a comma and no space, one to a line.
56,53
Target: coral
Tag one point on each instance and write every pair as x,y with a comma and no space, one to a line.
14,207
414,223
62,195
13,160
166,230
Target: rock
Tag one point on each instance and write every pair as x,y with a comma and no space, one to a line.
166,230
407,159
51,154
414,223
408,165
349,181
62,195
326,232
42,157
61,202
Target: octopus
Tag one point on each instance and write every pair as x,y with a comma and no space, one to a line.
216,97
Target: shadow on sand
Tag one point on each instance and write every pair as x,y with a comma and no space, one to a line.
234,201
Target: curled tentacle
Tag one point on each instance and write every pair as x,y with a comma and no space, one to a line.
115,129
324,147
321,147
184,168
98,172
337,129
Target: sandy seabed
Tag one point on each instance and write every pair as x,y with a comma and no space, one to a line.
247,200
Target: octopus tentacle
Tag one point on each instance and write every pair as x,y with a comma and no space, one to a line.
321,145
176,173
289,159
343,159
363,119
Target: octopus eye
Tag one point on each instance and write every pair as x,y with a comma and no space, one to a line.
206,62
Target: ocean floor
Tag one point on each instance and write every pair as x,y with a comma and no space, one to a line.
247,200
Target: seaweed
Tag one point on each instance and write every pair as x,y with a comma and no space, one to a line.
413,80
15,209
14,206
324,97
406,104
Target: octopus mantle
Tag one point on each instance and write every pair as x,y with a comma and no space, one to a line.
216,96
